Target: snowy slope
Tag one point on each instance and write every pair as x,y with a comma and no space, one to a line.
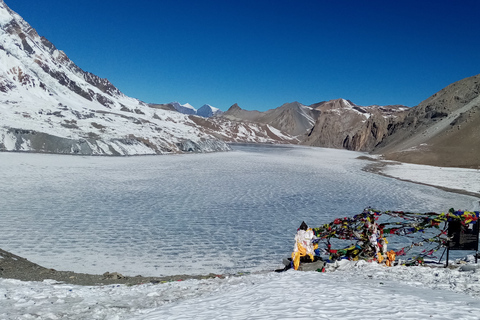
354,291
207,111
243,131
48,104
186,108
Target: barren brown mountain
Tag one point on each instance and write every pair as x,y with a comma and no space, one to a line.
342,124
443,130
291,118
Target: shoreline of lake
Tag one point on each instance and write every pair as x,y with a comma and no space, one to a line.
378,165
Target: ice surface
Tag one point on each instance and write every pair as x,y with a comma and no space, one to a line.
223,212
193,214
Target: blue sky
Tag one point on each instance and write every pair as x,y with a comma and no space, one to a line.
261,54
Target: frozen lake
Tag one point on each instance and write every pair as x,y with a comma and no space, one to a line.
188,214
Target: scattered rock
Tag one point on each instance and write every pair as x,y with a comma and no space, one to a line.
113,275
312,266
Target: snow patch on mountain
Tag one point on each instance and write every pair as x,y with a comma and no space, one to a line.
208,111
205,111
49,104
184,108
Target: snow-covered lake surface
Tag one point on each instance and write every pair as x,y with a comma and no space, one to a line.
192,214
222,213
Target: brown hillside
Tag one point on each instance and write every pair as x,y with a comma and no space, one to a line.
443,130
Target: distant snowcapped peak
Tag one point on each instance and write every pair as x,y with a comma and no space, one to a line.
184,108
188,105
208,111
205,111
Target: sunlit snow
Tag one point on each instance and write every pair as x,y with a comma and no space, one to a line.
226,213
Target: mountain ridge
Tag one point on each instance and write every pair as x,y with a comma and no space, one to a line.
49,104
346,125
442,130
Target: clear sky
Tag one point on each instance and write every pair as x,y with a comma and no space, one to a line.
261,54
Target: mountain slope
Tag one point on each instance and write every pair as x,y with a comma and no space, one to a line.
48,104
238,114
208,111
239,131
293,118
343,124
443,130
184,108
332,124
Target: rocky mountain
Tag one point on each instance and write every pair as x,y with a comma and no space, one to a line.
333,124
240,131
208,111
186,108
293,118
162,106
343,124
443,130
49,104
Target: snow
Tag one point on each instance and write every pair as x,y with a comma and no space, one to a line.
453,178
5,17
147,215
303,112
188,105
277,132
32,99
232,213
320,296
363,291
184,108
207,111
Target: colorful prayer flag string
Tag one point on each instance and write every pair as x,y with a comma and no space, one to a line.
371,230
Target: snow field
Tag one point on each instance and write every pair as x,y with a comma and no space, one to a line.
313,295
454,178
364,290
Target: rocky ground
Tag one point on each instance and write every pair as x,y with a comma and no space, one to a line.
15,267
